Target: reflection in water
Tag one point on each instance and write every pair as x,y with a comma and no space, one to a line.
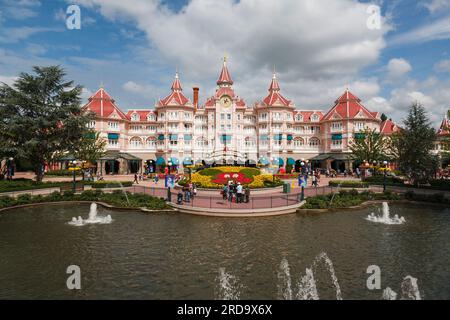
170,256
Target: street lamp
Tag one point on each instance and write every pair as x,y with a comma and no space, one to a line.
74,164
384,176
10,168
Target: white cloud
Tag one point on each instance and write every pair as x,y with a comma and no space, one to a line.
14,35
398,68
8,80
442,66
318,47
437,30
20,9
437,5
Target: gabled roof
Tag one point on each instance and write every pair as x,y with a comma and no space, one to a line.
347,106
275,98
389,127
176,98
103,105
224,77
143,114
444,128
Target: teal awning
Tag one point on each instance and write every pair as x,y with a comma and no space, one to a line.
290,161
360,135
113,136
90,135
187,161
160,161
278,137
225,137
337,136
264,137
264,161
278,161
161,137
289,137
187,137
174,161
173,137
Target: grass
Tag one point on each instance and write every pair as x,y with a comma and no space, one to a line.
348,184
116,198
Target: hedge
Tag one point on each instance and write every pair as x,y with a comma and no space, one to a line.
109,184
434,198
345,199
116,198
441,184
64,173
348,184
379,180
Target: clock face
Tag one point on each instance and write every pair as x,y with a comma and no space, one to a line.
225,101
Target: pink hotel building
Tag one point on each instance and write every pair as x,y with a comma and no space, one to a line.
225,129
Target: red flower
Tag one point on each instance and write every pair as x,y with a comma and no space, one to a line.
223,178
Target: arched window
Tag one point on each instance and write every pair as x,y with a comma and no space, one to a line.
314,118
314,142
151,142
299,142
299,118
151,117
135,143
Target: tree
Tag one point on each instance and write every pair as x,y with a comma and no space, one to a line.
413,146
91,148
383,117
369,146
41,116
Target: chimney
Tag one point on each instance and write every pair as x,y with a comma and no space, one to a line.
196,90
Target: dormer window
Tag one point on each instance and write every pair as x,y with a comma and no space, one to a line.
135,117
314,118
151,117
299,117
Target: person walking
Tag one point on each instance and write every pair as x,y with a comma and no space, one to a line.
136,179
224,192
247,194
194,190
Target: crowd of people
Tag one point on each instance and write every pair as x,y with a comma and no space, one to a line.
235,192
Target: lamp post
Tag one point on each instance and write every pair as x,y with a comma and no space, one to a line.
384,176
10,169
74,164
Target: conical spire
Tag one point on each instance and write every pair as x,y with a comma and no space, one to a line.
224,77
274,85
176,85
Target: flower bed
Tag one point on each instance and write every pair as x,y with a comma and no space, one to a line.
215,178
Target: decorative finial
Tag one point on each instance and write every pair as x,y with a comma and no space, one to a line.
176,72
225,59
274,74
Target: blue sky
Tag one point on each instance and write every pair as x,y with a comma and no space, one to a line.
317,47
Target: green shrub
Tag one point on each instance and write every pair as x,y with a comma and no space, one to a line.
379,180
348,184
210,172
250,172
110,184
63,173
440,184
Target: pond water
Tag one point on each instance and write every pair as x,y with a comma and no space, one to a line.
176,256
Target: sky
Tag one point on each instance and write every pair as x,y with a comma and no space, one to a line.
318,48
